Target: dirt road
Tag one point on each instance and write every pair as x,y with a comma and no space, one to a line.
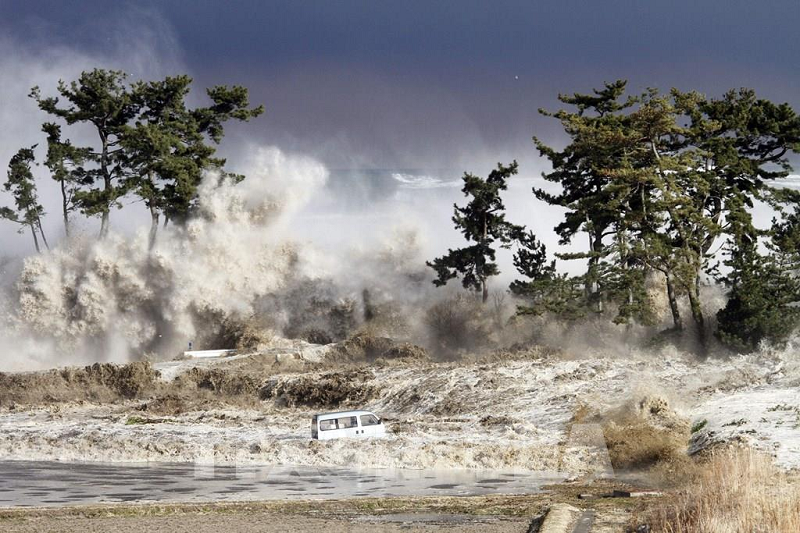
268,523
490,514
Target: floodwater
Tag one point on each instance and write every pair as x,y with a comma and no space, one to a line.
33,483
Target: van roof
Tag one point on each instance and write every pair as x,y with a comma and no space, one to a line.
343,413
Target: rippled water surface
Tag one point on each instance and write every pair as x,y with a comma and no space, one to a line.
26,483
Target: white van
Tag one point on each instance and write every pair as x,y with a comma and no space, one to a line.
327,426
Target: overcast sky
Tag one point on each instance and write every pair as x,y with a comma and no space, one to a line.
453,86
414,84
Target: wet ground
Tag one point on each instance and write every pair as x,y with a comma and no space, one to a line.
35,484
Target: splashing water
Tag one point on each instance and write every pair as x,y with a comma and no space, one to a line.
115,300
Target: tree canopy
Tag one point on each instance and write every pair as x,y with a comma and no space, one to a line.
28,211
655,180
482,222
149,142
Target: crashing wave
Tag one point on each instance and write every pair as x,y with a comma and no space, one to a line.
116,300
412,181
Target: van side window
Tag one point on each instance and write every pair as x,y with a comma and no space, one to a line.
369,420
347,422
327,425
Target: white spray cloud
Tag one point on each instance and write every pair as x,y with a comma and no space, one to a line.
115,299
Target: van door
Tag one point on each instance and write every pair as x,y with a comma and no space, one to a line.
369,425
348,426
328,429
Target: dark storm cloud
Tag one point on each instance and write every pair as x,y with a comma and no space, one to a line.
440,84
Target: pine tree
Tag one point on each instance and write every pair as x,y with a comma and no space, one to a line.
21,185
150,142
542,288
763,290
584,170
654,193
167,150
482,222
65,162
100,99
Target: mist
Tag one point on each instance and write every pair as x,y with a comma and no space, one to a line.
327,210
249,251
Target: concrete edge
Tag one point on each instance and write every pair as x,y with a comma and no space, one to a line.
560,518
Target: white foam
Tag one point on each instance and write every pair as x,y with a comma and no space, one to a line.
114,299
435,417
415,181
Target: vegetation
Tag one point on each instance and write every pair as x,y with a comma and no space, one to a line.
65,163
544,290
149,143
763,289
28,212
482,221
659,184
762,297
737,490
655,180
167,149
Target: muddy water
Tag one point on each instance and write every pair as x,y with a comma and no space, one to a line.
29,483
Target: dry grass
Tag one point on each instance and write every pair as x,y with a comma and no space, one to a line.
107,383
244,383
646,435
516,352
736,491
364,347
222,382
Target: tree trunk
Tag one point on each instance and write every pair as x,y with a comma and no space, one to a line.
697,315
593,285
623,263
482,266
65,208
107,186
41,231
35,239
153,227
673,304
104,225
